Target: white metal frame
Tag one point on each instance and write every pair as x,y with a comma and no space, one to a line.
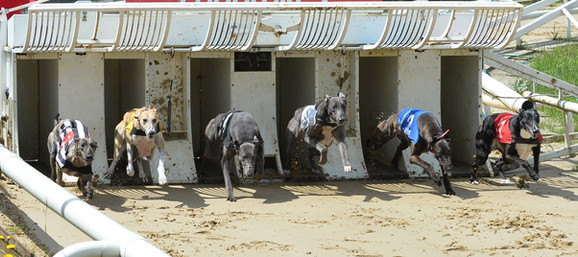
238,26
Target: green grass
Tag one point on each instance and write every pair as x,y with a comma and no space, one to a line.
561,63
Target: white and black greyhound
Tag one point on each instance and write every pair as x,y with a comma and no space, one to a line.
318,125
515,136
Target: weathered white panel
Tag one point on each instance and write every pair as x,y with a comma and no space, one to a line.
378,94
255,92
334,75
423,92
81,96
461,101
164,78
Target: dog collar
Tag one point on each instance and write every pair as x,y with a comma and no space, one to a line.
140,132
83,170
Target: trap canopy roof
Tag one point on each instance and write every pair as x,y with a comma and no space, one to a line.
121,27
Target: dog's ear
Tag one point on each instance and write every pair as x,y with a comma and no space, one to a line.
327,97
256,141
93,144
527,105
341,95
151,106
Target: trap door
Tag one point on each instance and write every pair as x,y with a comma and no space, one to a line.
81,96
378,89
423,92
337,72
253,89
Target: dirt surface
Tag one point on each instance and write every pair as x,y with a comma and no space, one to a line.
350,218
346,218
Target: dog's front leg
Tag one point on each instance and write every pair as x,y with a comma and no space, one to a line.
428,168
417,150
129,167
523,163
141,173
447,185
344,156
227,156
536,153
160,144
59,176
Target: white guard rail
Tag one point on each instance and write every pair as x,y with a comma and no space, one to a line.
117,26
115,239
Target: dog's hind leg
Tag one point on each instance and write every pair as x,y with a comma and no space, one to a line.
483,149
292,143
404,143
314,156
119,148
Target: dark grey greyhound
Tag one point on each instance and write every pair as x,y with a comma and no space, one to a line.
423,132
231,133
515,136
318,125
71,150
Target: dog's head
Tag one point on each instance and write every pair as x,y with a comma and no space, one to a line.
81,151
248,153
336,107
146,119
529,120
440,147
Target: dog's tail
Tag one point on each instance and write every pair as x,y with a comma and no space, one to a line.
56,119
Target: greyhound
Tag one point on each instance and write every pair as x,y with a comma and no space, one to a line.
71,151
318,125
515,136
139,128
231,133
423,132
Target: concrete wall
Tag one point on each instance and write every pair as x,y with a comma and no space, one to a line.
461,103
99,88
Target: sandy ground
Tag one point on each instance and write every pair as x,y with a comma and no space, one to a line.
348,218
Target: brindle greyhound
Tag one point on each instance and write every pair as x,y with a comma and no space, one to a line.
318,125
422,135
232,133
71,151
514,136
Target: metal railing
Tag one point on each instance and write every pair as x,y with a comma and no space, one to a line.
536,77
114,239
80,27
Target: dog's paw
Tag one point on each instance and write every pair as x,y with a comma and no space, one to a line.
129,172
162,180
231,198
475,182
450,192
506,181
347,169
